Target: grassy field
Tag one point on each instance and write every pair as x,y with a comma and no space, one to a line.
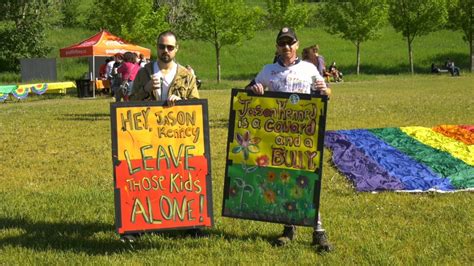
387,55
56,201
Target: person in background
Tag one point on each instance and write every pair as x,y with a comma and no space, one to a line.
434,69
335,73
116,79
454,70
142,60
164,79
109,67
128,71
290,74
311,54
103,70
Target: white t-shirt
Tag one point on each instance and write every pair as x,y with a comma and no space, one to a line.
165,79
296,78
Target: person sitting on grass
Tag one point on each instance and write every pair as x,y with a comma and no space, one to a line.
335,74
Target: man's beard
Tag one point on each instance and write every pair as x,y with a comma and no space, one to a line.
165,58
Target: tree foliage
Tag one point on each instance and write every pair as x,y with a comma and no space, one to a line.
22,30
225,22
181,16
282,13
70,13
461,17
354,20
136,21
416,18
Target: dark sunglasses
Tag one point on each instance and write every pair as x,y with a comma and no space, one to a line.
167,47
285,43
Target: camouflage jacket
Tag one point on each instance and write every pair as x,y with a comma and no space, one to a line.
183,85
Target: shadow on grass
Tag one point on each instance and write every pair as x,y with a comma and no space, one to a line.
85,117
84,237
61,236
230,236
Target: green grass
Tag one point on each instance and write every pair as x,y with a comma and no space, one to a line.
387,55
56,198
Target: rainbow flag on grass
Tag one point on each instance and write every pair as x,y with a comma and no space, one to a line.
411,159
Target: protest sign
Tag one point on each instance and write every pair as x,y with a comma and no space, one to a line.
161,163
274,157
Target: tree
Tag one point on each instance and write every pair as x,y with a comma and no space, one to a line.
133,20
355,20
70,12
225,22
283,13
181,16
22,30
416,18
461,17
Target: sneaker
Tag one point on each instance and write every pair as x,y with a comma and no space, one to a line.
320,240
288,235
128,239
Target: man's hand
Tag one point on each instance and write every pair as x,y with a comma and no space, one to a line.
257,88
172,99
320,86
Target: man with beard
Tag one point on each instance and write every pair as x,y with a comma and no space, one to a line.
292,75
165,79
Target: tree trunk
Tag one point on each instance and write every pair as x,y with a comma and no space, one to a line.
410,56
471,39
472,55
358,57
218,62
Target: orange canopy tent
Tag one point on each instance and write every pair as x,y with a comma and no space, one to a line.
101,44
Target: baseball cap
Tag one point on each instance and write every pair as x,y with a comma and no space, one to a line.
286,32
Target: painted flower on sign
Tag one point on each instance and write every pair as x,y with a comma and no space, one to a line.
297,192
246,145
262,161
302,181
290,206
271,176
269,196
285,177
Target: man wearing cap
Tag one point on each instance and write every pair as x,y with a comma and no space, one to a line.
292,75
165,79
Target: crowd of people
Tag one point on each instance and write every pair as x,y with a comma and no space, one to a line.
120,71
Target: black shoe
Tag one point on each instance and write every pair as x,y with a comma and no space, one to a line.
128,238
320,240
287,236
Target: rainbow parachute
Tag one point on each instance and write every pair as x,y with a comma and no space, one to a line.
411,159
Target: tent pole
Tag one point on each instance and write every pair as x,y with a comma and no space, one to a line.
93,77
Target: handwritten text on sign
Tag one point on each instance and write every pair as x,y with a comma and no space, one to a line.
292,129
163,169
